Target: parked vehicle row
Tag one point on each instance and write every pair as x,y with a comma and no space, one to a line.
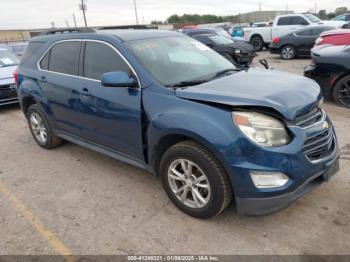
334,37
261,37
298,43
241,54
237,52
331,69
166,103
16,48
8,64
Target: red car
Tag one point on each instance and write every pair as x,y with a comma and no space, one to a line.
334,37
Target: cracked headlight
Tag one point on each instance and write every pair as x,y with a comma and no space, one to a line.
263,130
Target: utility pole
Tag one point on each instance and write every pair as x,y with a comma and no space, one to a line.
137,19
75,21
83,7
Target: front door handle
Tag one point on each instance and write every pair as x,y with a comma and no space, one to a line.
85,92
43,79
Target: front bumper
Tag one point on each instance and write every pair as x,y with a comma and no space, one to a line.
269,205
275,50
292,160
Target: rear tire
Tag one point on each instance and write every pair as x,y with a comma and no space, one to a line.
257,42
341,92
194,180
288,52
41,129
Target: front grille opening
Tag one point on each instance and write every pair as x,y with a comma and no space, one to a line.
310,118
320,146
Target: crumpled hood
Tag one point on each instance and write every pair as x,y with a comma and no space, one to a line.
290,95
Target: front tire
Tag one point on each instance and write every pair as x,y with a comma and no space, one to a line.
194,180
41,129
341,92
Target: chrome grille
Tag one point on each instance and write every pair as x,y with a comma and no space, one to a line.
320,146
310,118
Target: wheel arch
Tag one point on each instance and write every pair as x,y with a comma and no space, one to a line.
26,102
173,137
335,79
256,35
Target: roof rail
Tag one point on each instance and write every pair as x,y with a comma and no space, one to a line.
124,27
67,30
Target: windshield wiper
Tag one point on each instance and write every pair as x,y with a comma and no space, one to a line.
224,72
188,83
201,81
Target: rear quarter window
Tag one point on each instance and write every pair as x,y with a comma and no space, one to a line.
31,49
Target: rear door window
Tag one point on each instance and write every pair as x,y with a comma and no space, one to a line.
64,57
100,58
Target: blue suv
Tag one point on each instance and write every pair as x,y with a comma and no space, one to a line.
166,103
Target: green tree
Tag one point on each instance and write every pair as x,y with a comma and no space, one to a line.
174,19
323,14
341,10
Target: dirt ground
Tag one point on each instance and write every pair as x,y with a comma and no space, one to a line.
73,200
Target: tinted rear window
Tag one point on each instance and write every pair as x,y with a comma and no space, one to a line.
64,57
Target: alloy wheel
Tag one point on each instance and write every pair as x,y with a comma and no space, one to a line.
343,93
38,127
189,183
288,52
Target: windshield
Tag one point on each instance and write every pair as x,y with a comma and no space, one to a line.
171,60
339,18
8,59
313,18
220,40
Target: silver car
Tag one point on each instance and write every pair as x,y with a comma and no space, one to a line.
8,64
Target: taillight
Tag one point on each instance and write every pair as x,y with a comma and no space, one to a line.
16,77
275,40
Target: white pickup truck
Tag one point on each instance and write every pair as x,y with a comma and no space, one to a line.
283,25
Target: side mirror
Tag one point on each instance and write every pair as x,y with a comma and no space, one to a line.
118,79
304,23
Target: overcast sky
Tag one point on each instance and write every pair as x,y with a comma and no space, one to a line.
40,13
